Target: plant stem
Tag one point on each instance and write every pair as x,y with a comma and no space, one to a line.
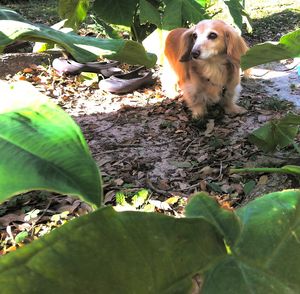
260,170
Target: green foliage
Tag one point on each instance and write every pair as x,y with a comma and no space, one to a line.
75,11
166,14
41,148
265,236
236,10
276,133
144,16
110,252
254,249
116,12
272,135
287,47
83,49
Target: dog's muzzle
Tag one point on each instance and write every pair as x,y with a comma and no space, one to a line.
195,54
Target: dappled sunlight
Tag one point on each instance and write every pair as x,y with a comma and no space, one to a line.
280,79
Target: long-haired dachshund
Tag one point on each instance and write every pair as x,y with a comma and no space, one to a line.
206,61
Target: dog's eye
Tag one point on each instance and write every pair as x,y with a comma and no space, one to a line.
212,36
194,36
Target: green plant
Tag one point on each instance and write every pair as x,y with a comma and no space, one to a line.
287,47
42,148
253,249
144,16
275,134
75,11
14,26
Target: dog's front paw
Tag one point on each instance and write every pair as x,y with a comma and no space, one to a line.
198,112
234,109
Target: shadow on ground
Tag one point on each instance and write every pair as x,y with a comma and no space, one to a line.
272,27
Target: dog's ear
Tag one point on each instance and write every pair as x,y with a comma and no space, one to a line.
235,44
186,45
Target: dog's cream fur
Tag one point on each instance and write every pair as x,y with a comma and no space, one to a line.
206,62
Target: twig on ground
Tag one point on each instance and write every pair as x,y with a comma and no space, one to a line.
150,186
190,187
188,147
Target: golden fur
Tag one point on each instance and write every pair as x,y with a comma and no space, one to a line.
206,61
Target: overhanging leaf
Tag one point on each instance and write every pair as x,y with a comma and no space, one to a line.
109,252
149,13
235,7
115,11
178,12
83,49
41,147
74,11
287,47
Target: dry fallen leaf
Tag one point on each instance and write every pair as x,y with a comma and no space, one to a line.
27,70
209,127
263,180
119,182
9,218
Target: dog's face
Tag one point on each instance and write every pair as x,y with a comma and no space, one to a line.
210,38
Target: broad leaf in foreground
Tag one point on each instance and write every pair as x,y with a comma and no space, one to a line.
287,47
41,147
83,49
265,256
225,221
110,252
135,252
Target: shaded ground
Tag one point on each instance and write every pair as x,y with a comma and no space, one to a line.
143,140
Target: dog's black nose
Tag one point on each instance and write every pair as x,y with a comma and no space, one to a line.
195,54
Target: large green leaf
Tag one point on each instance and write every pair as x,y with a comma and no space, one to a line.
135,252
287,47
109,252
236,10
115,11
41,147
265,256
74,11
149,13
178,12
225,221
83,49
276,133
